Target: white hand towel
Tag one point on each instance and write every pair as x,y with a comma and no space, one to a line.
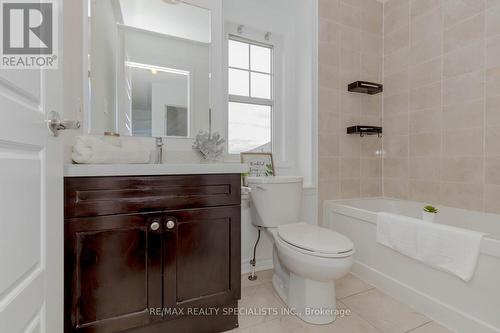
94,150
450,249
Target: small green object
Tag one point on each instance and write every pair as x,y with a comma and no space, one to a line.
431,209
269,170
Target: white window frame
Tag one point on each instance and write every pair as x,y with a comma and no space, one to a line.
257,37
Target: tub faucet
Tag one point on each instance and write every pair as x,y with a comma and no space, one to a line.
159,150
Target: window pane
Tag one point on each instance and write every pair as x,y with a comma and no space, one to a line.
249,128
238,54
261,85
260,58
238,82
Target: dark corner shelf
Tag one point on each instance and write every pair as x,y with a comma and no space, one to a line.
365,130
364,87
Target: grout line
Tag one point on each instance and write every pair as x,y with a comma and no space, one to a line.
357,293
485,96
415,328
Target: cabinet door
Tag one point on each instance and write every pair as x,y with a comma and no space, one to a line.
113,272
202,259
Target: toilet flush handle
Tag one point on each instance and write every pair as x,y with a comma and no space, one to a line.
262,188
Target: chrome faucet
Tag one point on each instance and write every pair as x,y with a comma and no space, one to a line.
159,150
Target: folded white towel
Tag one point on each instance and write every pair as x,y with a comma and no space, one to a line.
96,150
450,249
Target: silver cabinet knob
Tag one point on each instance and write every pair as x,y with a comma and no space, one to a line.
155,226
170,224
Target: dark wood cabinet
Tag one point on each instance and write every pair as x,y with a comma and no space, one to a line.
144,253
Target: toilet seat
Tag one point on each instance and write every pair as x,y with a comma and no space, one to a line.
315,241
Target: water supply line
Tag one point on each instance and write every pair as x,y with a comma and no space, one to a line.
253,262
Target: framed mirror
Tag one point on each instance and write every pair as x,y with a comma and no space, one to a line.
150,66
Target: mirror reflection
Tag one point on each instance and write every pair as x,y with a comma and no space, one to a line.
149,67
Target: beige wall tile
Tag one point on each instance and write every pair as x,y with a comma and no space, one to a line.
350,168
491,195
420,7
329,168
396,145
329,9
328,100
396,83
328,31
371,167
425,26
426,73
395,104
329,190
329,145
426,97
424,191
493,21
427,50
350,15
464,60
492,52
371,187
462,169
425,121
350,38
493,110
396,188
493,170
396,18
463,33
350,146
350,188
397,40
455,11
465,196
493,81
396,168
396,62
425,168
493,141
427,144
468,142
464,115
396,125
463,88
329,123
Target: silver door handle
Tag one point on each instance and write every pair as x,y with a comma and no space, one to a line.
55,123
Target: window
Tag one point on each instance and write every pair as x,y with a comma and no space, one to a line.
250,88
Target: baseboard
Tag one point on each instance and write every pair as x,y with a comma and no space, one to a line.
448,316
261,265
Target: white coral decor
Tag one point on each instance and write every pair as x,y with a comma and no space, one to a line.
209,145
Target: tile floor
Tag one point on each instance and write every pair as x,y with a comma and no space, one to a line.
370,311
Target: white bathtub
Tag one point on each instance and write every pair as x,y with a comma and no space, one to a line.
464,307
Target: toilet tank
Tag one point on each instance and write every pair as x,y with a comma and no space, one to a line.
275,200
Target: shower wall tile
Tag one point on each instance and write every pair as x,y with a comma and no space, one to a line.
442,126
350,49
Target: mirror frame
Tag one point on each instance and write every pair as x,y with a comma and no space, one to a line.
216,95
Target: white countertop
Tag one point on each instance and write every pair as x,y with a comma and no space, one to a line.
106,170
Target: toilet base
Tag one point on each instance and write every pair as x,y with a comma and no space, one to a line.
313,301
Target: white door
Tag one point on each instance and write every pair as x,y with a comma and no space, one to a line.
31,202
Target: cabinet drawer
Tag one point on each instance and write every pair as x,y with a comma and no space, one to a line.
97,196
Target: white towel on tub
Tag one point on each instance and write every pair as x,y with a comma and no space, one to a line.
450,249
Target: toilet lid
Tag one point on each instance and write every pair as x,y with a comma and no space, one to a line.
315,239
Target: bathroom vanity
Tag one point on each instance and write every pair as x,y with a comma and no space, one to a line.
144,252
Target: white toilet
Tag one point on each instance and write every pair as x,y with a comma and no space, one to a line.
307,259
